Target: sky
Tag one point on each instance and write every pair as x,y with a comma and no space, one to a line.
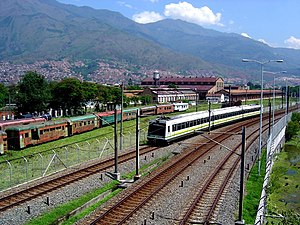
274,22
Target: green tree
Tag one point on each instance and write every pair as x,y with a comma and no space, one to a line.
107,94
135,100
68,95
3,95
90,92
33,93
146,99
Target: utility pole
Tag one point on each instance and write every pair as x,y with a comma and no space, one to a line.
137,146
116,173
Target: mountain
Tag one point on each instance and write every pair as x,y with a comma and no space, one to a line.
216,47
45,29
32,30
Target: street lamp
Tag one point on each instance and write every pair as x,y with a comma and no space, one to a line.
261,63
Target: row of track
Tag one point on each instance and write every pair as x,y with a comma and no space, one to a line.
210,192
18,197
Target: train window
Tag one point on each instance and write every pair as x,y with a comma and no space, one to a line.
41,132
35,134
198,121
180,126
26,135
168,128
173,127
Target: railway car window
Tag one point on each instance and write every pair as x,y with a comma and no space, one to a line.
173,127
26,135
35,134
168,128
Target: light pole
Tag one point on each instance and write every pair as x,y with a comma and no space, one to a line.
286,99
261,63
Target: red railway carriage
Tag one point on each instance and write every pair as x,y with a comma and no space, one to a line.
162,109
22,136
9,123
3,142
80,124
150,110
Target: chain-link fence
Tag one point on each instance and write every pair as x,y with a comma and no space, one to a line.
38,165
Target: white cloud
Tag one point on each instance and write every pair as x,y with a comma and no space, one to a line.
245,35
187,12
293,42
147,17
125,4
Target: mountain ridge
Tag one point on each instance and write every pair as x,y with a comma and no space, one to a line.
36,29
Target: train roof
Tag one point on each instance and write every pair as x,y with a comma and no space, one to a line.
36,125
80,118
203,114
18,121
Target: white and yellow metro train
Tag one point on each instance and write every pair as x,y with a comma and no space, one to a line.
168,129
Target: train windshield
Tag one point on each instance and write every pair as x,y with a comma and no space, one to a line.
156,129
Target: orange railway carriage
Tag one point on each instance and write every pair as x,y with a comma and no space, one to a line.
19,137
82,124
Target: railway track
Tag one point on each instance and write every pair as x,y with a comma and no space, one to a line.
121,210
213,188
22,196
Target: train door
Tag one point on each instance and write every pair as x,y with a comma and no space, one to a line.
168,130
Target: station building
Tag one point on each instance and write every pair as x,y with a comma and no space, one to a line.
166,95
201,85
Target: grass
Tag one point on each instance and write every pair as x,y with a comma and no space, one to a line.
253,191
52,216
284,190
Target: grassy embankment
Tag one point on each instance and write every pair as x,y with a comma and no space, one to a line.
283,191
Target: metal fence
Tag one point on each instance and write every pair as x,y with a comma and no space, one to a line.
38,165
274,140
